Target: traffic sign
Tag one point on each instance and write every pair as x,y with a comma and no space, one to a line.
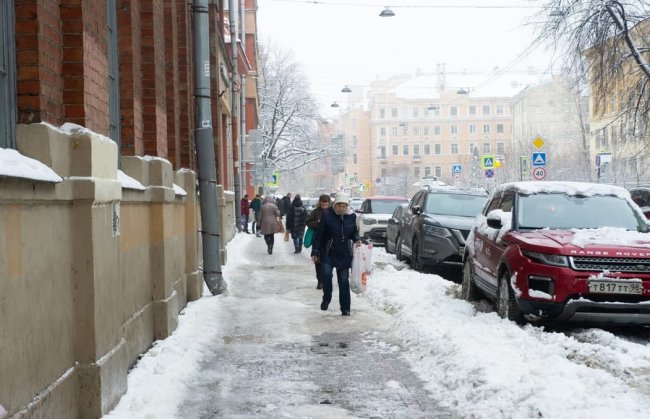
539,173
539,158
489,173
538,143
487,162
455,169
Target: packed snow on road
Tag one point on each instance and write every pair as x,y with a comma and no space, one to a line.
476,363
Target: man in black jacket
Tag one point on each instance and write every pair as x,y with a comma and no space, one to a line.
312,222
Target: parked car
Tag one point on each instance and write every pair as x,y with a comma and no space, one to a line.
373,217
641,196
393,228
310,203
355,203
561,251
436,224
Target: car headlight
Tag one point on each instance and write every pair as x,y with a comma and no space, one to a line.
546,259
369,221
438,231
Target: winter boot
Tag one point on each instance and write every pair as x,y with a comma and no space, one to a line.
270,250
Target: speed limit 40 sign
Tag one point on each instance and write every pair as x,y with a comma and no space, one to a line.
539,173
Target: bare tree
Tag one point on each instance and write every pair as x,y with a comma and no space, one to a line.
288,115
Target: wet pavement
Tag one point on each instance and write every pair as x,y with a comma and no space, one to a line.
277,355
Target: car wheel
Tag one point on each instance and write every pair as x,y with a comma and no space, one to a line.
507,307
468,289
398,249
415,256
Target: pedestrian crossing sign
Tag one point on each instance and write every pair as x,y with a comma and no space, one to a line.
487,162
456,169
539,159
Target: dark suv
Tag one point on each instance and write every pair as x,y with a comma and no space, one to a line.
436,224
561,251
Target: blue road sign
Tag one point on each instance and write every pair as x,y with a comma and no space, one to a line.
455,169
489,173
539,158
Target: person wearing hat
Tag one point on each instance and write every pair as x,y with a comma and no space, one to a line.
332,247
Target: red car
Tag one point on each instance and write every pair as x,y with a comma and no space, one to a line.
561,251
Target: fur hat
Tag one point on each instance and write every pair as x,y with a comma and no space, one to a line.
342,199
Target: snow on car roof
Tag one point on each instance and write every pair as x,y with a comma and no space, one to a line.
569,188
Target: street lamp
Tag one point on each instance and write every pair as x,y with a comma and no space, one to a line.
387,12
556,13
432,107
462,91
334,105
346,89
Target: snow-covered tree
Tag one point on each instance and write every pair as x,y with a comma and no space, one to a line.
288,115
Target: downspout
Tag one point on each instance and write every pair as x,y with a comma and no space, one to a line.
210,233
234,85
242,132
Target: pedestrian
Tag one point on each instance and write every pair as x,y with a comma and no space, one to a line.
270,222
256,206
312,222
296,221
286,204
337,232
280,205
245,207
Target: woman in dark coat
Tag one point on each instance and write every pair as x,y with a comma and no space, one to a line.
296,220
336,234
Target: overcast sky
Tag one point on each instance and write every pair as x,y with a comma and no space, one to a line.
341,42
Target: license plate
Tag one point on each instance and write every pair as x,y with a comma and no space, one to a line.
383,234
615,287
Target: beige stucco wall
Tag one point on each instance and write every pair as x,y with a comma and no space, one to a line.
90,273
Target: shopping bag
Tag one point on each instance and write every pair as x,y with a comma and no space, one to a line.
309,237
280,227
361,268
286,236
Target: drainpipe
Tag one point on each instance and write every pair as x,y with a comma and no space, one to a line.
210,233
234,18
242,113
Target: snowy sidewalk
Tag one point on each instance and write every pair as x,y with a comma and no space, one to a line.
266,350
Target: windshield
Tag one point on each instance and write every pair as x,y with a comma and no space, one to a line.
454,204
384,206
560,211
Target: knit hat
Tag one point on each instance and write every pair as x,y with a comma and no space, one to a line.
342,199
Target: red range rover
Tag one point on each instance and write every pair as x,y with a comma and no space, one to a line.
561,251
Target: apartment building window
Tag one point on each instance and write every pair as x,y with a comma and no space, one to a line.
405,131
472,128
7,76
427,149
453,111
416,149
454,129
433,112
382,131
486,109
486,129
416,112
393,113
499,109
395,149
354,123
383,172
454,149
437,149
354,141
486,147
472,109
416,131
393,131
436,130
500,128
382,152
405,150
382,113
354,158
426,131
438,171
472,147
416,172
501,148
113,74
427,171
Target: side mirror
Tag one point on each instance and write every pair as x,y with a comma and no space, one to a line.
417,210
494,220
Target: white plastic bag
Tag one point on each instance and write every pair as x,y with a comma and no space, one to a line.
361,268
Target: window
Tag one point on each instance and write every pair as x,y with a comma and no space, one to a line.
454,149
454,129
472,110
382,152
501,148
436,149
354,141
416,172
438,171
499,110
453,111
436,130
472,147
113,74
416,112
383,172
393,113
416,131
426,131
354,158
393,131
405,131
382,131
486,147
500,128
472,128
405,149
395,150
427,149
7,76
382,113
486,129
486,109
427,171
416,149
